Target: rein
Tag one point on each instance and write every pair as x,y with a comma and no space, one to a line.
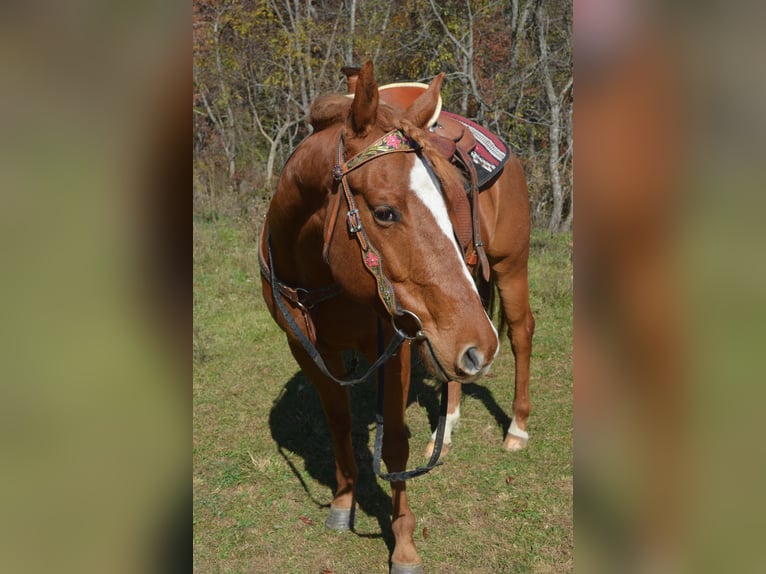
309,347
394,141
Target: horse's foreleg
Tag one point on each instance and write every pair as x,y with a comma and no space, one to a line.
521,327
337,408
405,557
453,419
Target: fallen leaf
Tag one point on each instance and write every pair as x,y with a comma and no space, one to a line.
307,520
508,479
425,532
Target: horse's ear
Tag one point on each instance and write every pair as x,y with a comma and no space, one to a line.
364,108
423,108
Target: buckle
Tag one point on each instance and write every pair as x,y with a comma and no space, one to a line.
354,221
302,297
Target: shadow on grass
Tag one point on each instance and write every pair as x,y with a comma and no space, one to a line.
298,425
428,397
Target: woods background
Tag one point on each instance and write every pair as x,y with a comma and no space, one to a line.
258,65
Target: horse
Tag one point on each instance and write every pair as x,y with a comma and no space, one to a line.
401,94
393,272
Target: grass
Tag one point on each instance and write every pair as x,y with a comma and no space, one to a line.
263,466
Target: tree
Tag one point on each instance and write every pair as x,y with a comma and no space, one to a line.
258,65
556,100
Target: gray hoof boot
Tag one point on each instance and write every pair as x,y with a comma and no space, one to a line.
407,569
340,519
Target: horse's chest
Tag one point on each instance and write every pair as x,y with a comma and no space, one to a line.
345,324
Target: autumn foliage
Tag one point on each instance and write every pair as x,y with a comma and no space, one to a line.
258,64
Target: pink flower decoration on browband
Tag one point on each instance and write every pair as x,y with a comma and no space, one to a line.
393,140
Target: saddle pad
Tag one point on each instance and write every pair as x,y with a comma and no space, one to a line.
489,155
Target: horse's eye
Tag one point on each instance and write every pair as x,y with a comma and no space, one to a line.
385,214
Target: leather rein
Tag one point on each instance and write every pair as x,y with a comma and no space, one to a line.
395,141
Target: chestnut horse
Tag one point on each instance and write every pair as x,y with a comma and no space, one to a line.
358,252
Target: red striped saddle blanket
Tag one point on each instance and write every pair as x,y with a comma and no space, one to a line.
487,151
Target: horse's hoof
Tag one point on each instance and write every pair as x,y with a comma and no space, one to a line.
407,569
340,519
430,449
514,443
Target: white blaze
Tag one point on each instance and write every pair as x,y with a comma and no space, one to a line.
427,192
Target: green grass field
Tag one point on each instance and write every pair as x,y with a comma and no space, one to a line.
263,466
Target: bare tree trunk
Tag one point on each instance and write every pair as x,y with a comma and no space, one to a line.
464,49
567,225
518,26
469,57
228,135
554,130
383,31
351,30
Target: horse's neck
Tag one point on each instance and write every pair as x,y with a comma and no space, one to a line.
298,209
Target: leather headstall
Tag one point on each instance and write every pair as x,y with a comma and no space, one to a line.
395,141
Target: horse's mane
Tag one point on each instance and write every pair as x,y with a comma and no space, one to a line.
328,110
331,109
451,178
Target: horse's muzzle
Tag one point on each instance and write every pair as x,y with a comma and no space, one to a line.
471,362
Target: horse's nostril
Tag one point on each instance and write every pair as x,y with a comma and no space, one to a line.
471,361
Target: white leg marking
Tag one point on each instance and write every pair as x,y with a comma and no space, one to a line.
452,422
514,430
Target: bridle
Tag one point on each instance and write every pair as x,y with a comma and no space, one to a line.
395,141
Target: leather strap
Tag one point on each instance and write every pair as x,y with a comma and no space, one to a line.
310,347
393,142
434,461
304,299
475,223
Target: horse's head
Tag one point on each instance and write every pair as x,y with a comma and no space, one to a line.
403,201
